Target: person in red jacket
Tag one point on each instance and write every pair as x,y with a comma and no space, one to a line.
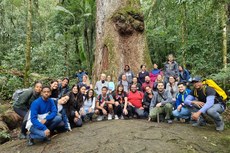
135,98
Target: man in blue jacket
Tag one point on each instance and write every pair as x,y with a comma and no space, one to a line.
182,111
204,100
43,117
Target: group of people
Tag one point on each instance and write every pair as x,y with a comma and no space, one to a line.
158,95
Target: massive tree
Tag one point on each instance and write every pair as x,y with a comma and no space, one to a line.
120,37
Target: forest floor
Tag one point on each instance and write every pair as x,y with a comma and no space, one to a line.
129,136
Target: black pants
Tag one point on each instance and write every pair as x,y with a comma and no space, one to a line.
118,109
22,113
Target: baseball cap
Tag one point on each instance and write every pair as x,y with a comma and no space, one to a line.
196,79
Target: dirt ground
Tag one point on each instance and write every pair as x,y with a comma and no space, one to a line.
129,136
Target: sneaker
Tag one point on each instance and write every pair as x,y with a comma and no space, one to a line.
116,117
22,136
47,139
169,121
30,142
109,116
220,127
100,118
122,117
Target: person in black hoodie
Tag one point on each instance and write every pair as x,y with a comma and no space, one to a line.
74,106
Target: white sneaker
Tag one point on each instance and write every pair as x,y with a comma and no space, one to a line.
122,117
109,116
100,118
116,117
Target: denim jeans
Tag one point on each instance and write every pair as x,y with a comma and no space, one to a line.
184,113
51,125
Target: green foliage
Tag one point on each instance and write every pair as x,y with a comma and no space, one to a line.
169,22
4,134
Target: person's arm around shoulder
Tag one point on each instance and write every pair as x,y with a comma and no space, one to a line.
110,100
53,112
153,101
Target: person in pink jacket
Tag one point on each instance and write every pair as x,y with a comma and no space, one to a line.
154,73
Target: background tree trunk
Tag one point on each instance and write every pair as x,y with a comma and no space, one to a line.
28,43
120,38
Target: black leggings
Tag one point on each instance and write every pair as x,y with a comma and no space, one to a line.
22,113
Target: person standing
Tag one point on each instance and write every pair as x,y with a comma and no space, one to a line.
142,74
129,74
101,83
171,68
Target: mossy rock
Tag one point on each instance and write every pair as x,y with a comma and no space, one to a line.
12,119
3,108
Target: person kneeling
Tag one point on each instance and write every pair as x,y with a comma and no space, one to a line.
161,104
43,117
104,105
182,111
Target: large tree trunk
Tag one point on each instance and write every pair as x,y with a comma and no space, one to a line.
28,43
120,37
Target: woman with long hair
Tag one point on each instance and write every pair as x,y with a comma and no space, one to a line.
89,105
120,102
73,106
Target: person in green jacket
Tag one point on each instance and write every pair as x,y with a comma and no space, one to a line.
22,105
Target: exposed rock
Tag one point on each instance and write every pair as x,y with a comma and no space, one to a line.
12,119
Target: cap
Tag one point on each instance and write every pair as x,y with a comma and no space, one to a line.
196,79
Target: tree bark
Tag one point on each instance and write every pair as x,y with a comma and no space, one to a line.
120,38
28,43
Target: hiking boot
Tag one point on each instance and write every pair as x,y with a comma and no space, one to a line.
220,126
116,117
22,136
30,142
169,121
110,117
198,123
100,118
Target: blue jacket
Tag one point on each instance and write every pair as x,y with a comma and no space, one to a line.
39,107
184,76
180,97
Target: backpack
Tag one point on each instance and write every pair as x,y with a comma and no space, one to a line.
17,94
220,92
